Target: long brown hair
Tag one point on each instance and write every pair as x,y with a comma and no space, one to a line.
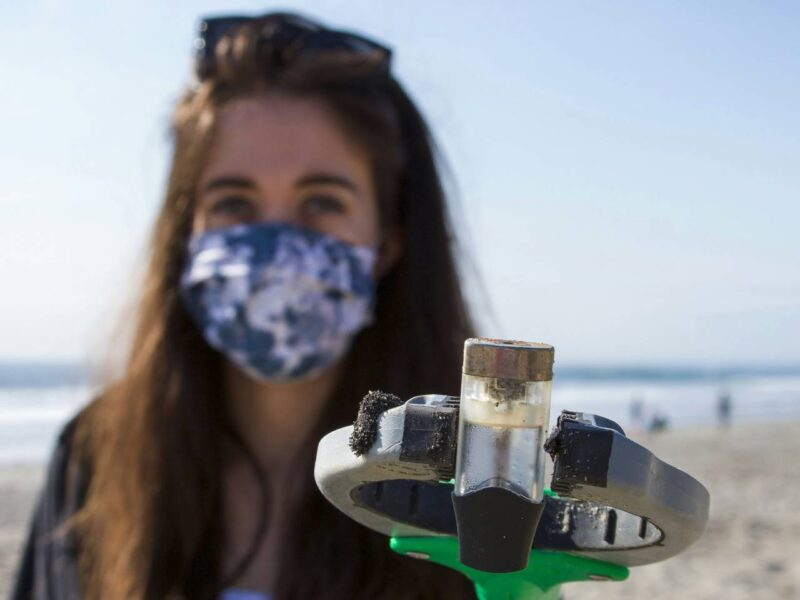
156,440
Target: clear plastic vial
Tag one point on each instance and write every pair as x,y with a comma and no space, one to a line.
505,410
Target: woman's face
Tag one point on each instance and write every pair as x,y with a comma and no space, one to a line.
281,158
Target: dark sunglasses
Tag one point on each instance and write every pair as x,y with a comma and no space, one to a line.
289,36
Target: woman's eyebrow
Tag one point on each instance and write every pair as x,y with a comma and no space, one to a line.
229,181
327,179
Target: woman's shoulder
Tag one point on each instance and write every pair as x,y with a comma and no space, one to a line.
63,447
47,569
68,473
69,465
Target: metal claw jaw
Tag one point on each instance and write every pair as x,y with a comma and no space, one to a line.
614,504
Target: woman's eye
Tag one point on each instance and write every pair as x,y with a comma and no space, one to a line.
233,207
323,204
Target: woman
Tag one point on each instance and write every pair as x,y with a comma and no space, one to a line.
301,258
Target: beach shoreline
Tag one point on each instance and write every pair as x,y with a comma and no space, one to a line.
751,470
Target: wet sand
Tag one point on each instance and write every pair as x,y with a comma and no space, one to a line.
750,549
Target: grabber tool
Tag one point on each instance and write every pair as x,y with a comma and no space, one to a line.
460,481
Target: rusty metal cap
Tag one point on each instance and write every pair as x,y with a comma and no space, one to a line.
508,359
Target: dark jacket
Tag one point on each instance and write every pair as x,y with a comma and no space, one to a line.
49,566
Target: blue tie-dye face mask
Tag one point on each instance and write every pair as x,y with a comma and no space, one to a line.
280,301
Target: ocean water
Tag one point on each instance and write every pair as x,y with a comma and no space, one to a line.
36,400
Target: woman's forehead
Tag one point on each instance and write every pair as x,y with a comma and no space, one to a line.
280,134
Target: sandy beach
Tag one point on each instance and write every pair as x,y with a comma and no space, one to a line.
750,546
749,550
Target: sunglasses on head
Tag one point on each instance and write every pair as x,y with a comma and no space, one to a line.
290,37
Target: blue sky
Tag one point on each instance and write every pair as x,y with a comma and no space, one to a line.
625,174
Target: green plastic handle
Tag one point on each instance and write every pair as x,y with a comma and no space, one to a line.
541,580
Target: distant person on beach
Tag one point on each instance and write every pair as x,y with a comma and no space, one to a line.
658,422
636,412
302,257
724,409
